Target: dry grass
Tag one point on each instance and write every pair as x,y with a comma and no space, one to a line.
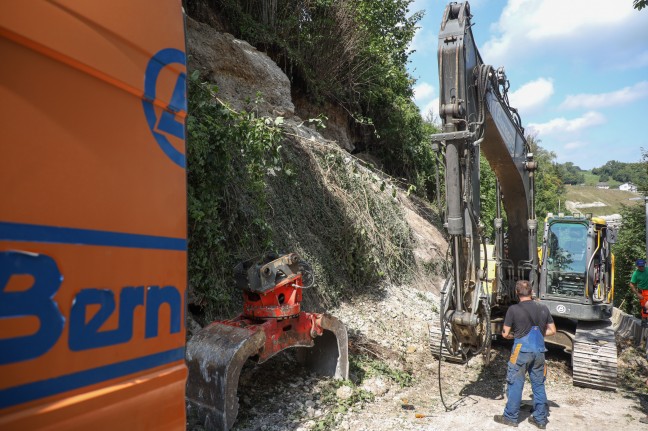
613,199
340,216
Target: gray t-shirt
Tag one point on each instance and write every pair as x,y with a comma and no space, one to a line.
526,314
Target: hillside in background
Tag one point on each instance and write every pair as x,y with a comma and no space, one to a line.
599,202
612,173
593,180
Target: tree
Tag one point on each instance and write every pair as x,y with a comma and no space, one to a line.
622,172
352,54
488,197
639,4
629,247
570,173
642,184
550,189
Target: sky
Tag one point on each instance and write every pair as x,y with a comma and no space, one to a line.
578,71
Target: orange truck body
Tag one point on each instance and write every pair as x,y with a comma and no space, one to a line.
93,236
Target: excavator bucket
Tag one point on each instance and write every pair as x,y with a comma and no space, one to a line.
329,356
215,357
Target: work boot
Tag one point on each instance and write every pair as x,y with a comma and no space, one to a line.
504,420
537,424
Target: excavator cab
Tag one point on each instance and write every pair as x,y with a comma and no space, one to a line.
577,284
566,263
576,272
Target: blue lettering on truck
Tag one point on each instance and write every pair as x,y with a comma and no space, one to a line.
167,122
38,301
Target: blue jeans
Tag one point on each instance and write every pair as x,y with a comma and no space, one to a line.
534,363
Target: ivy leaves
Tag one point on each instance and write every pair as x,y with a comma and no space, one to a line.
229,155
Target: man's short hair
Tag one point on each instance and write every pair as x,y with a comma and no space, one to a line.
523,288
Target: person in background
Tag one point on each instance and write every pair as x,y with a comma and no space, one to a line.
639,280
528,322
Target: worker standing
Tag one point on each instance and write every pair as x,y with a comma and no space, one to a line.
528,322
640,279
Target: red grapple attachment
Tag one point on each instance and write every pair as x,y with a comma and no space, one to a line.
271,322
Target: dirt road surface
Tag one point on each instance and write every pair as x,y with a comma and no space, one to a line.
394,377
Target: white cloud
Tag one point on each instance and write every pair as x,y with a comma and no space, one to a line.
432,108
423,91
423,97
574,145
532,95
562,125
579,29
614,98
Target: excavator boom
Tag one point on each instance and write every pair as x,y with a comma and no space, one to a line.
476,117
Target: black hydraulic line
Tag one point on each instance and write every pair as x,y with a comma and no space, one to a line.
456,403
438,182
447,409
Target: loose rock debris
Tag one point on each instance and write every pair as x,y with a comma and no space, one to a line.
394,382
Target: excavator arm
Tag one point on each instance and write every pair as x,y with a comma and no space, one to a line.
476,117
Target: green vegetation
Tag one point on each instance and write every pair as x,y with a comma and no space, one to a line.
365,367
352,53
590,179
621,172
549,189
630,246
371,367
228,155
342,217
253,188
570,173
358,398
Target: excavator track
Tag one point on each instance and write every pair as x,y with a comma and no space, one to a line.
436,341
594,357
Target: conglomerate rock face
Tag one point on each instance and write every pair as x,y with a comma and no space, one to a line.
242,73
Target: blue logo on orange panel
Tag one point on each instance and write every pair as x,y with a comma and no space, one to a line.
167,124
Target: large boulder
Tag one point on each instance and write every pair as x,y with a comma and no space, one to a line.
241,73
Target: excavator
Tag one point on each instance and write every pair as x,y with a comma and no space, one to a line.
93,233
575,277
